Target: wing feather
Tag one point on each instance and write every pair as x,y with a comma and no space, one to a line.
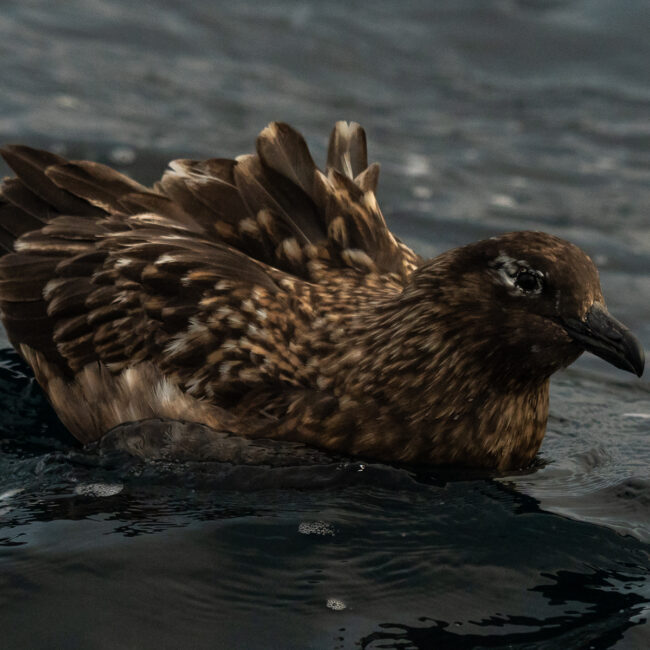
348,152
205,276
19,195
98,184
285,150
30,166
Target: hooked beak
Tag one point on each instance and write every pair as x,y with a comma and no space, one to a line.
607,338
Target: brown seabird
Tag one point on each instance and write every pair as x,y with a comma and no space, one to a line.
263,297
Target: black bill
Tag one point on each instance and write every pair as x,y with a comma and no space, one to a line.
607,338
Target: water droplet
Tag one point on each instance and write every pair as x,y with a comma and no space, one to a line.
336,604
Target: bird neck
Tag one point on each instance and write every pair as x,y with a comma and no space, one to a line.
437,390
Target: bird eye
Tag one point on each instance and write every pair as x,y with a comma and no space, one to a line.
528,282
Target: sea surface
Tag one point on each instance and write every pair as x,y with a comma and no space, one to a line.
487,116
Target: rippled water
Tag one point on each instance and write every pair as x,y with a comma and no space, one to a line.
487,116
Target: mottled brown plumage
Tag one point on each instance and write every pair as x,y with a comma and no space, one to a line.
266,298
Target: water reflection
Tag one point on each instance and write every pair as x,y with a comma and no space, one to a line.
598,612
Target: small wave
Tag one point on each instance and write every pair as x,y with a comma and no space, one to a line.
623,505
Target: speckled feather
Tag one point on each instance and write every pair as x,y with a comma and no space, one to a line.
267,298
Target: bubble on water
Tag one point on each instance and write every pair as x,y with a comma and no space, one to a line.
315,528
336,604
98,489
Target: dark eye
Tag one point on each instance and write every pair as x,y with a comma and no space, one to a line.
528,282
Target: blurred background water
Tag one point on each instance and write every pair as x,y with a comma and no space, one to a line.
487,116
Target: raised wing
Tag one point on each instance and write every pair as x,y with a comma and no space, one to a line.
207,275
277,207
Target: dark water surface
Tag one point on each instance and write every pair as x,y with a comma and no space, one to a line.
487,116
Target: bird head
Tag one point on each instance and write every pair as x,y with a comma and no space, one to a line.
528,302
